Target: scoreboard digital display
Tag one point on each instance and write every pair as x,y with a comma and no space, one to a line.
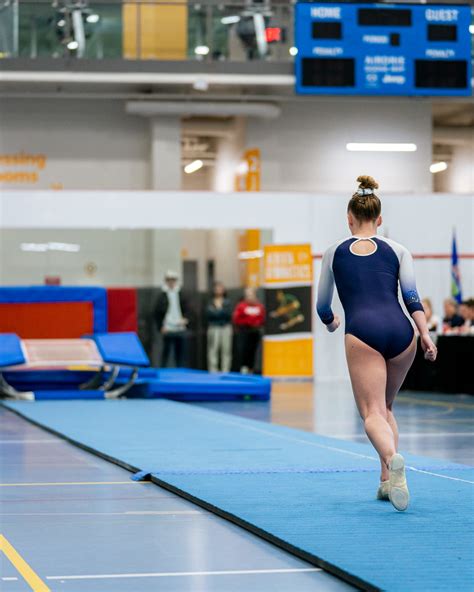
383,49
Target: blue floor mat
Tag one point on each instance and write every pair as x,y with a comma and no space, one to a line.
176,384
198,385
309,494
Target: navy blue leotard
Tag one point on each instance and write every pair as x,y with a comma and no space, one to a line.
368,289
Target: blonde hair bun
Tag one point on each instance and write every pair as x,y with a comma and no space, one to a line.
367,182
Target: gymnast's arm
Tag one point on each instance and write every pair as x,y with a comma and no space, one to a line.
413,303
325,294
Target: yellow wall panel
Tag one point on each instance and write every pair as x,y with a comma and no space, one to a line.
288,358
155,31
250,240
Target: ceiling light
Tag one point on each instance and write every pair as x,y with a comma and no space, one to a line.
380,147
230,20
201,84
293,51
471,29
194,166
93,18
201,50
438,167
72,45
51,246
36,247
68,247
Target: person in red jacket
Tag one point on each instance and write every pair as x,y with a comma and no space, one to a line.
248,319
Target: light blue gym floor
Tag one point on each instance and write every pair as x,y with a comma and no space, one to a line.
130,536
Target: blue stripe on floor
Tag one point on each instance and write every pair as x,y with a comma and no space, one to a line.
310,494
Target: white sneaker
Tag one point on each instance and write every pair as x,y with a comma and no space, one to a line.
383,491
398,490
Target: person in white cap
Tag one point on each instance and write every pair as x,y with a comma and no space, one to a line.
172,320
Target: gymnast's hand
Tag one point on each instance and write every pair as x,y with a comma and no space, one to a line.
334,325
428,347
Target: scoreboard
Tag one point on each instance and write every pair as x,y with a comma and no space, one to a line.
383,49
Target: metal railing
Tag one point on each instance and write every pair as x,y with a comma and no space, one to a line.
205,30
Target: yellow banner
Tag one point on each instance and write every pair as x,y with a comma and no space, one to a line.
288,264
288,341
288,358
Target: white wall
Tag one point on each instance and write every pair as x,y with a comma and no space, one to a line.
89,144
459,177
118,258
423,223
229,155
166,171
201,180
224,246
94,144
305,148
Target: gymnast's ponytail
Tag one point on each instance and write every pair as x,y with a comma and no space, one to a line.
364,204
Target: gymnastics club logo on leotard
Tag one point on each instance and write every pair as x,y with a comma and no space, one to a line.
412,296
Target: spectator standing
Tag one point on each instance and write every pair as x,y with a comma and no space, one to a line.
172,320
432,320
248,319
452,319
466,311
219,331
470,304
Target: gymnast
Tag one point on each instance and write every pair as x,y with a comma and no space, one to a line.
380,341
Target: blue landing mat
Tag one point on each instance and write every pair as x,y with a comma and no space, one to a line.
311,495
197,385
178,385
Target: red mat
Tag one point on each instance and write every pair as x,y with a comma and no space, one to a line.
122,310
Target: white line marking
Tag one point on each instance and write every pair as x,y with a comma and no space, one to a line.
161,513
405,435
134,513
30,441
290,439
268,433
437,475
10,579
434,434
233,572
53,484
